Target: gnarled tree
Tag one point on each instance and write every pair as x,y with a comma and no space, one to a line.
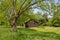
25,5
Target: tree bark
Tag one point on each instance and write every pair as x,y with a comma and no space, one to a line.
14,28
13,24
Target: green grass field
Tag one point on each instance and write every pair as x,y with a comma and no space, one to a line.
45,33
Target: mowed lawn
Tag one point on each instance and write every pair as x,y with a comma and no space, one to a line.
40,33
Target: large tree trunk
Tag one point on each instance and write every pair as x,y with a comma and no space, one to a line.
14,28
13,24
13,18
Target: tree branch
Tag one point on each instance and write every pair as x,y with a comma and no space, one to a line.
22,4
25,8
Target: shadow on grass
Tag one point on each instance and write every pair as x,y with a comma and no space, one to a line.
31,34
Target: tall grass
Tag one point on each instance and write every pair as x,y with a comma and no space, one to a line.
29,34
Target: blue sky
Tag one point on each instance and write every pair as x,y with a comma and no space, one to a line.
56,0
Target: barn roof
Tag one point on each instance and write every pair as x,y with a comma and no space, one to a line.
30,20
